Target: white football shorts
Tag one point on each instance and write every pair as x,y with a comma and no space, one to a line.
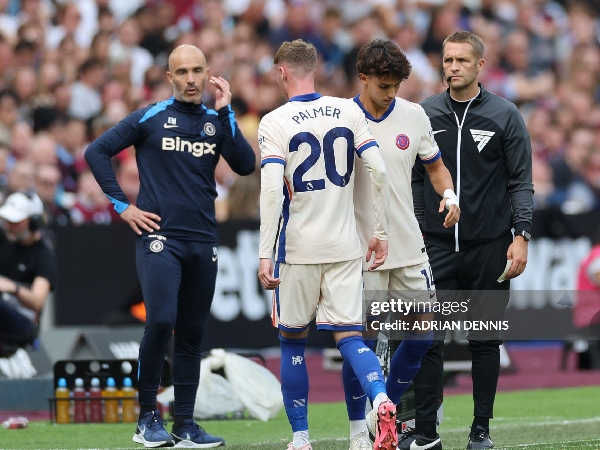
409,284
331,293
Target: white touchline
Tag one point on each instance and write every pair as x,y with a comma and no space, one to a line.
529,424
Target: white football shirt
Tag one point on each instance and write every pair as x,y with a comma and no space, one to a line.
313,141
403,133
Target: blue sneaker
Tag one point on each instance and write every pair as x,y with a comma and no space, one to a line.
191,435
151,431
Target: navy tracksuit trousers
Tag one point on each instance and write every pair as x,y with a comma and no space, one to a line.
178,283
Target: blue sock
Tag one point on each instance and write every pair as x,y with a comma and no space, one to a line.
355,397
406,362
294,382
364,363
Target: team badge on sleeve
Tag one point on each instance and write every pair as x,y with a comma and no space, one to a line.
402,141
156,246
209,129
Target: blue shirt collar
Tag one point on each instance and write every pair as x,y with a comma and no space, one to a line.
368,114
305,97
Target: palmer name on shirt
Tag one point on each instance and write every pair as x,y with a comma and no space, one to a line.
314,113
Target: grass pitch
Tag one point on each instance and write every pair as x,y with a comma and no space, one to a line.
549,419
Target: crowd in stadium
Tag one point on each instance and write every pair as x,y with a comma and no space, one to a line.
69,70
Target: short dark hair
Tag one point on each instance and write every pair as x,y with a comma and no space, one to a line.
383,58
298,54
469,38
24,46
90,64
10,93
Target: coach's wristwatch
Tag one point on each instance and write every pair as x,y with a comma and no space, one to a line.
525,234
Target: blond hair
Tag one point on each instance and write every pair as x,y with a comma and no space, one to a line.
299,55
469,38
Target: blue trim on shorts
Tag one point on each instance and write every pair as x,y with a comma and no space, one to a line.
276,275
292,330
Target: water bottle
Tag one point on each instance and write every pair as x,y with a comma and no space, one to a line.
128,405
111,402
79,396
62,406
95,401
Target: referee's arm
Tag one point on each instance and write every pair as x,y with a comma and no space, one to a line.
517,150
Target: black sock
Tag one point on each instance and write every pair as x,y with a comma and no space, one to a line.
483,422
178,421
144,409
426,428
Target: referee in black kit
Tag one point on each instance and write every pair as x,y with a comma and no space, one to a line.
486,148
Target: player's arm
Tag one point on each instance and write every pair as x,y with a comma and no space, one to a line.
517,155
418,191
431,158
271,198
98,156
234,147
368,150
380,191
442,183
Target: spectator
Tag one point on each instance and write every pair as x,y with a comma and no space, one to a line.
21,177
43,150
86,101
69,24
25,53
47,179
527,82
99,49
25,86
9,103
6,59
127,48
27,268
91,205
4,154
21,140
568,169
71,138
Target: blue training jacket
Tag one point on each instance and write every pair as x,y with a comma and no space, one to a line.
177,147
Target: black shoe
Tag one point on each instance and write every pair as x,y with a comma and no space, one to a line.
479,438
405,439
421,442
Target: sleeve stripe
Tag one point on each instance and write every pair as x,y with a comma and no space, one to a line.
271,159
289,189
432,159
365,145
118,205
231,120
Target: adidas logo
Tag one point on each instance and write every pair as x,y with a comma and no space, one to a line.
482,137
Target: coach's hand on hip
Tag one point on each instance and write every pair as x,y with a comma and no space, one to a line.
265,271
223,94
136,218
518,253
